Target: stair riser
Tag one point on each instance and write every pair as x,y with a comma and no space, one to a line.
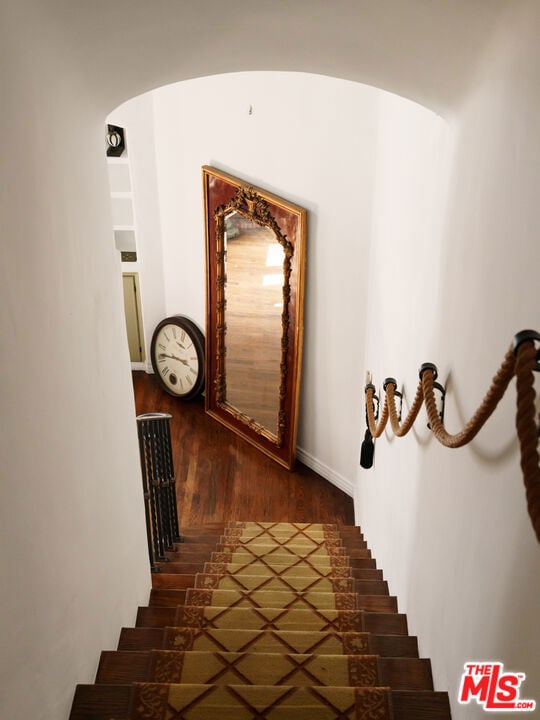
167,598
156,616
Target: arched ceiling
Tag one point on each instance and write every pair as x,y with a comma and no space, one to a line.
425,50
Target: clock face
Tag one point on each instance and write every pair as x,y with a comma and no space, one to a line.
177,357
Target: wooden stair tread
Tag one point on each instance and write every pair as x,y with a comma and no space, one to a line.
253,524
300,542
377,622
185,555
224,598
254,568
277,558
177,581
186,638
300,583
283,598
103,702
209,667
357,550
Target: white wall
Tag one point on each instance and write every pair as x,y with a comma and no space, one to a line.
450,527
311,140
137,117
314,141
72,541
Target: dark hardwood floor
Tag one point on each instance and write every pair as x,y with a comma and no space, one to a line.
221,477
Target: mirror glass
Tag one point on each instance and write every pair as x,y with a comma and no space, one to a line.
254,291
254,285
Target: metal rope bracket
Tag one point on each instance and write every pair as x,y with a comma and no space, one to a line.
436,386
375,400
524,336
397,393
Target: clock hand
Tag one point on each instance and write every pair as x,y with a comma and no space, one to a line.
180,344
173,357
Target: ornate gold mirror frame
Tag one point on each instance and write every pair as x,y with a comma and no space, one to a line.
255,251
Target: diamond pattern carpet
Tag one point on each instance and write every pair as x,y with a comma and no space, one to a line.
267,641
282,621
269,585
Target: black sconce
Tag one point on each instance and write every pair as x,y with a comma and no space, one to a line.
116,143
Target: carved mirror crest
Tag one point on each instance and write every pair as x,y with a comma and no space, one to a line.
255,273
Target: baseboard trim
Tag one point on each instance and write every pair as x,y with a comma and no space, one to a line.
341,482
139,366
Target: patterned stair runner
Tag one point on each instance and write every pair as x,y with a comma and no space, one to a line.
244,702
260,618
274,627
267,641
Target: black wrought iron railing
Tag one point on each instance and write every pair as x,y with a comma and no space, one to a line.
158,485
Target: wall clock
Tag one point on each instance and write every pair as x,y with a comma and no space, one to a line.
177,354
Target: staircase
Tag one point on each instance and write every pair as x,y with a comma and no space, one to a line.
266,620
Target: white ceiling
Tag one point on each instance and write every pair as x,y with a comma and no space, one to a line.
423,49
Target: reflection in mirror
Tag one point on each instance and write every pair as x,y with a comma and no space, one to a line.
254,290
255,293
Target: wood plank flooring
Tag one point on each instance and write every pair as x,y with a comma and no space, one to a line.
221,477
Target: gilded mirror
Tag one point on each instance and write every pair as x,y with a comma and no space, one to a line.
255,272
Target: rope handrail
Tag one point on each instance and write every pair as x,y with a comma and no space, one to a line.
521,360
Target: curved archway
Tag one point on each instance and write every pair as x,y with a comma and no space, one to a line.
347,152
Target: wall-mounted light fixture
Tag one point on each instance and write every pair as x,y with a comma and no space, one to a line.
116,143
